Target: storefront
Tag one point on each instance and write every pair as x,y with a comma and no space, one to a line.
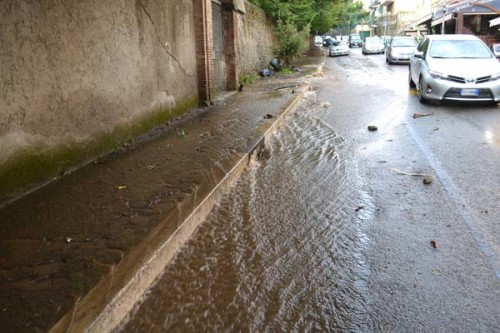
469,18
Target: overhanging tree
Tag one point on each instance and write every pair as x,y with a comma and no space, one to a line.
297,19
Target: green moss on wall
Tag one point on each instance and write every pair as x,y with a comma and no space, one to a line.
32,166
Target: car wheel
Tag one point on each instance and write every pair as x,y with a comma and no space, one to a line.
420,91
411,83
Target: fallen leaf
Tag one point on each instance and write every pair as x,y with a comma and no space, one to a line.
434,244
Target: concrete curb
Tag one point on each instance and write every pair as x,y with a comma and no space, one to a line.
112,299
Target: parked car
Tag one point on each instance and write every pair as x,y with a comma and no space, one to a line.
400,49
318,40
338,48
496,50
454,67
355,40
372,45
386,40
327,41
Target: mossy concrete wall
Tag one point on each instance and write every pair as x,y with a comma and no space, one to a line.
256,40
80,77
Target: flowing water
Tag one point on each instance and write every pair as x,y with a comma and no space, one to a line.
283,252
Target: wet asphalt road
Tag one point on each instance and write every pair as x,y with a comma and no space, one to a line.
413,286
330,232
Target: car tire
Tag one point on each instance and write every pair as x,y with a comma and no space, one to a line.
411,83
420,92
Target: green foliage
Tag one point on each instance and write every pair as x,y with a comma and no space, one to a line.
349,15
297,19
286,70
292,41
246,78
320,15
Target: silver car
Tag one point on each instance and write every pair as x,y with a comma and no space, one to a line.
400,49
454,67
372,45
338,48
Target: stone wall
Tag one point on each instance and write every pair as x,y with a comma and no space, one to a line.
80,77
257,40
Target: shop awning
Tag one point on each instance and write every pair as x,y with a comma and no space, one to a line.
495,22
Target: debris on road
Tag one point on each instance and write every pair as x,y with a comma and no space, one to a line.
372,128
268,116
411,173
266,72
434,244
121,187
325,105
427,180
417,115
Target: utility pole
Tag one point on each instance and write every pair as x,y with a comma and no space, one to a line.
442,23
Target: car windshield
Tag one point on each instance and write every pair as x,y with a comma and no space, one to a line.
459,49
339,42
404,42
373,42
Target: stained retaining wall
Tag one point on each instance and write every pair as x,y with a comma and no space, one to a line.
81,78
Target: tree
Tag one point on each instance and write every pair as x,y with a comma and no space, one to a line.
297,19
349,15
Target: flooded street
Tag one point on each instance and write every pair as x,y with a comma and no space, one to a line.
282,253
331,229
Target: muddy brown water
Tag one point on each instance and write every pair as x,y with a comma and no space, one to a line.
281,253
59,241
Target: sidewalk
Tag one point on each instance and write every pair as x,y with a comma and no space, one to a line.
78,253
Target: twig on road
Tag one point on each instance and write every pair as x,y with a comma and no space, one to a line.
417,115
410,173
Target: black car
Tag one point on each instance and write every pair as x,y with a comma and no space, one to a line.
355,40
328,41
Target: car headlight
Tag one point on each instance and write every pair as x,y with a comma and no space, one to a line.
495,77
437,75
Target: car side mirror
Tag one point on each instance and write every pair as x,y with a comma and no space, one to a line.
419,54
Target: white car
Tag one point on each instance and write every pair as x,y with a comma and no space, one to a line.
372,45
338,48
454,67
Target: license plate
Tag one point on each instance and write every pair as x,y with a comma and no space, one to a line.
469,92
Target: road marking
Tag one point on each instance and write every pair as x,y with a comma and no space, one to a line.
459,203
